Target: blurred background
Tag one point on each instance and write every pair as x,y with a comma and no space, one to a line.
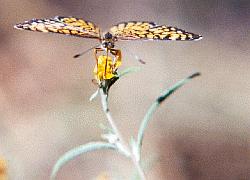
200,132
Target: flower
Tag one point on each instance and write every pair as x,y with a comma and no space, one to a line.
106,67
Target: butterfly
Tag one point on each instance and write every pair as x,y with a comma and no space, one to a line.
132,30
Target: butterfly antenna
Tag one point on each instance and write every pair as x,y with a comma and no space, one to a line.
135,56
84,52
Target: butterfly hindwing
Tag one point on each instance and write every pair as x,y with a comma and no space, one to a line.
62,25
150,31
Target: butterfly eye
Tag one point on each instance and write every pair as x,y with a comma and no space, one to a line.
105,44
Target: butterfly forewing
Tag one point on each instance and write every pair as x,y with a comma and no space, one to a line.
62,25
150,31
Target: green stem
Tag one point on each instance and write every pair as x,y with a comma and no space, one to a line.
124,147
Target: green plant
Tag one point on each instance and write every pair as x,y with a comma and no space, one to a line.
113,140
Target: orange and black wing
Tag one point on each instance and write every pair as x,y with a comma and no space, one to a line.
150,31
62,25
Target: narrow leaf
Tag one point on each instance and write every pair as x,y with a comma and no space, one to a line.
105,128
110,137
128,70
94,95
73,153
156,104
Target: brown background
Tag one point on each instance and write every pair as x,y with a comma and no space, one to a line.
201,132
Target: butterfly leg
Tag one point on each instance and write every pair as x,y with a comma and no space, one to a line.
96,50
118,58
106,63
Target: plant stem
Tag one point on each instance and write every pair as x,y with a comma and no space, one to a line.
124,145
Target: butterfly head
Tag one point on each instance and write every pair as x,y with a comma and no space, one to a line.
108,41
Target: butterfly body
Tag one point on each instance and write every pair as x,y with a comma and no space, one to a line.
132,30
108,41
